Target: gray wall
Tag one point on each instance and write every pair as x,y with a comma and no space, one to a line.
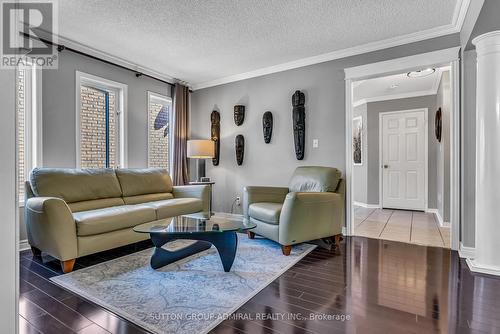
360,172
443,154
59,114
469,149
273,164
374,109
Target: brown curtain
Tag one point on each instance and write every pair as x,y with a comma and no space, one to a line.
181,123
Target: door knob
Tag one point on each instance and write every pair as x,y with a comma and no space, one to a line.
386,166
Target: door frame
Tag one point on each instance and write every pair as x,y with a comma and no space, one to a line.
400,65
426,148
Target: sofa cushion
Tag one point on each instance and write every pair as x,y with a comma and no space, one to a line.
315,179
265,211
144,181
175,207
75,185
138,199
112,219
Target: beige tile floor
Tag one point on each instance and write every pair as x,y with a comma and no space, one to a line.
399,225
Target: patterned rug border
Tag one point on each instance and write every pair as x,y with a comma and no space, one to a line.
146,326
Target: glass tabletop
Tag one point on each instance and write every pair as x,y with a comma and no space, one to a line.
195,223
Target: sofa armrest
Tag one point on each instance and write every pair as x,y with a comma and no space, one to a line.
195,191
307,216
256,194
51,227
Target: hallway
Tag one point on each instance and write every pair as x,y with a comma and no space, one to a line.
399,225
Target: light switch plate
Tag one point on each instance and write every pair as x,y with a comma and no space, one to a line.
315,143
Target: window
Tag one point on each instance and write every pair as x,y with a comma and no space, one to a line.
159,121
28,124
100,122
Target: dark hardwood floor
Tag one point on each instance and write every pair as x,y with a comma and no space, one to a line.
372,286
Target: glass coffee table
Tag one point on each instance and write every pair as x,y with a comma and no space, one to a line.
205,229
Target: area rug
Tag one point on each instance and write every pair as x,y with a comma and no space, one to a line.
192,295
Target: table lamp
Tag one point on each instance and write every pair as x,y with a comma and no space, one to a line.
200,149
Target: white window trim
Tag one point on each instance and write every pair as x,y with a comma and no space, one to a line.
105,84
162,98
33,133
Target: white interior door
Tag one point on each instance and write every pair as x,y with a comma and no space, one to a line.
404,160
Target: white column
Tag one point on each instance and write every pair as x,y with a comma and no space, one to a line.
487,253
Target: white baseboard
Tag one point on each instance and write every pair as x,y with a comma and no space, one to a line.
479,268
365,205
24,245
466,252
439,217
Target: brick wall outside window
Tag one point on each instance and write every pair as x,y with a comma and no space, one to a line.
158,144
93,128
21,110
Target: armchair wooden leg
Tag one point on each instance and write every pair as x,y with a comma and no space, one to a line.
67,266
338,238
251,235
36,252
286,250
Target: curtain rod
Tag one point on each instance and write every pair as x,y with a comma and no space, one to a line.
61,47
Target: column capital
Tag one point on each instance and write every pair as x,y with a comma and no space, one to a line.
488,42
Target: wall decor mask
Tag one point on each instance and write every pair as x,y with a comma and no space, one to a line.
438,124
239,114
239,145
267,126
215,135
299,123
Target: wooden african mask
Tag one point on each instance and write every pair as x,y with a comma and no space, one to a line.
239,145
215,135
239,114
299,123
267,126
438,124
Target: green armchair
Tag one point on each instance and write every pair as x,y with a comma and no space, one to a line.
311,207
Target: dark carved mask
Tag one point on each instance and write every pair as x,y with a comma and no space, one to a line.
215,135
239,114
299,123
215,117
239,145
267,126
298,99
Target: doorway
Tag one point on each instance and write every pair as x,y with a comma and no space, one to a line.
403,185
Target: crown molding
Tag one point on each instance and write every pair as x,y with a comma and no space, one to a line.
437,58
455,27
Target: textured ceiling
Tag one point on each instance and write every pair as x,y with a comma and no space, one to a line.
396,86
200,41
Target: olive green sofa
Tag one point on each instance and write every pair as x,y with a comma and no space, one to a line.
311,207
70,213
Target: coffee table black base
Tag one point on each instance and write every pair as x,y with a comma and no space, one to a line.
225,242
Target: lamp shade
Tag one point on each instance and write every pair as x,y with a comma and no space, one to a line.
200,149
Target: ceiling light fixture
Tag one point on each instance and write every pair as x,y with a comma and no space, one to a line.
420,73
